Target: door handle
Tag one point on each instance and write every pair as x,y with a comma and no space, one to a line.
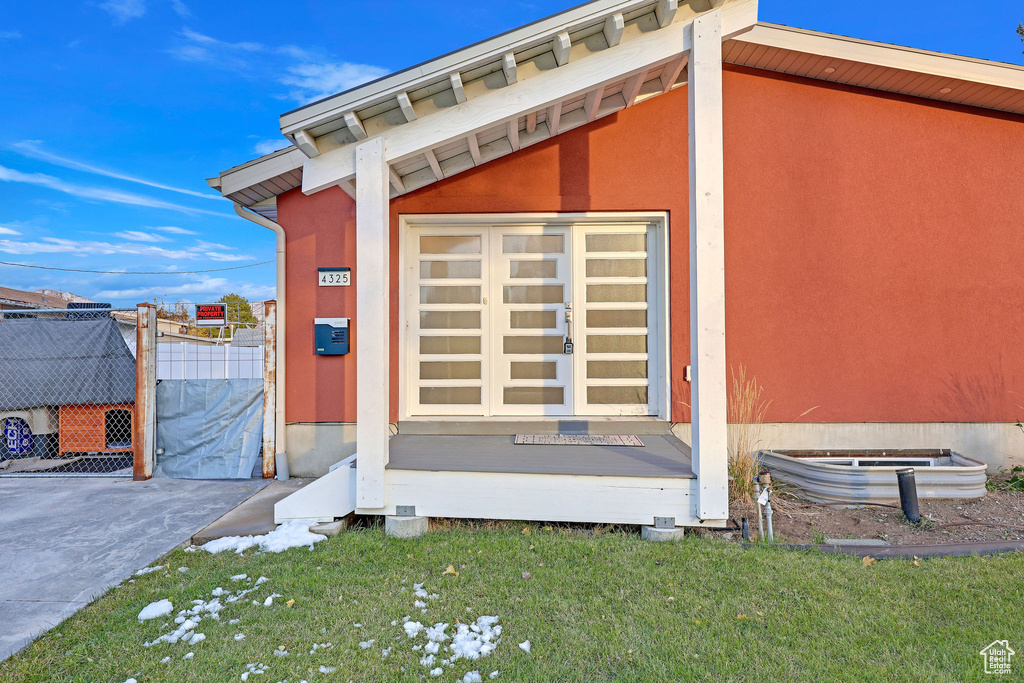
567,346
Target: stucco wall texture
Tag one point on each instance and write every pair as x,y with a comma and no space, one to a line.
873,248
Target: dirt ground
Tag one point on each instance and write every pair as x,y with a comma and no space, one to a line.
799,521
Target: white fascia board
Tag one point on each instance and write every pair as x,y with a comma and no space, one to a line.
885,55
260,170
492,49
533,94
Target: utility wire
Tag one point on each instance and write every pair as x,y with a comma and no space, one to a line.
135,272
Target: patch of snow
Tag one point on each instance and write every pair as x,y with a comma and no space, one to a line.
189,655
366,644
239,577
183,570
154,610
437,632
327,669
239,636
149,570
436,672
494,674
432,647
292,534
197,638
270,599
419,603
525,646
131,680
234,621
385,652
427,660
165,660
260,581
473,677
412,628
217,592
280,653
475,640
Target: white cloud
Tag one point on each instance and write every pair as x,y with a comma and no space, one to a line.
173,230
59,245
8,231
124,10
33,150
10,35
207,288
181,9
309,75
139,236
316,81
96,193
267,146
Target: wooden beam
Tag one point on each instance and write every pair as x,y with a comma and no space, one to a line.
560,47
613,27
396,181
592,102
460,92
508,65
434,165
406,104
513,134
531,122
666,12
372,333
474,148
631,88
307,143
672,71
554,118
542,91
348,187
355,126
709,388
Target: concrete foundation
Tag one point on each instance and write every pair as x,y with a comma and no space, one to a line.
997,444
330,529
650,533
314,447
405,527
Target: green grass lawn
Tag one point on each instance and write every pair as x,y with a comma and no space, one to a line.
597,607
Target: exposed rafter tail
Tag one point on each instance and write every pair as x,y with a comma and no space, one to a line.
406,105
666,12
560,46
613,27
355,126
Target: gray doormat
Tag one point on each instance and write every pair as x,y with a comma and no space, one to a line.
578,440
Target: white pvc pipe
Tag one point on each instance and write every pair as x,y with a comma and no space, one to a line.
280,439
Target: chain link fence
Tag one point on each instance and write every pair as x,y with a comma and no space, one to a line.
67,392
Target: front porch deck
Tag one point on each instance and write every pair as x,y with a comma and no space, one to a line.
661,456
490,477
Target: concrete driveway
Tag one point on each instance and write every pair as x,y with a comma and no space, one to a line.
65,541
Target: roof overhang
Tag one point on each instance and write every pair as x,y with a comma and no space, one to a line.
474,105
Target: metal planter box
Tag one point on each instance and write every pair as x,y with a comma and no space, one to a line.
869,476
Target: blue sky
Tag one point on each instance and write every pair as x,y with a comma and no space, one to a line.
115,111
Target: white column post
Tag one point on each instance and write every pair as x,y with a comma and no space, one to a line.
707,269
373,322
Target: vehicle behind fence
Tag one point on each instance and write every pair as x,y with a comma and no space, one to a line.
68,400
67,391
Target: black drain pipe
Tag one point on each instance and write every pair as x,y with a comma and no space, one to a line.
908,494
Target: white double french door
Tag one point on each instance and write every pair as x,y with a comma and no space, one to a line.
532,319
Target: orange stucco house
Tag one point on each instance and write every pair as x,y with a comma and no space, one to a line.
580,226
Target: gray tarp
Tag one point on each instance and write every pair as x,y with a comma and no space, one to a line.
64,362
208,428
